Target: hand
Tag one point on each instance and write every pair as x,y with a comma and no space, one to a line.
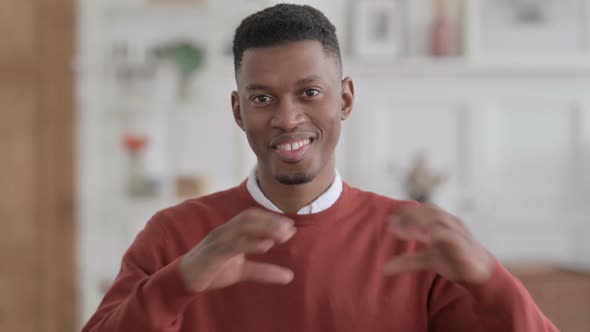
219,260
451,250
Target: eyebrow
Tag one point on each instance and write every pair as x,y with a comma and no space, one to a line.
306,80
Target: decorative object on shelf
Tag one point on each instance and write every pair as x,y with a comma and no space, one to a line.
525,28
133,70
188,186
187,57
129,60
443,38
379,33
139,184
421,181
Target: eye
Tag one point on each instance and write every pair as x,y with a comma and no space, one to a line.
261,99
311,92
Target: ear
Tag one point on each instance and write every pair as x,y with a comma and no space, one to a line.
347,98
235,105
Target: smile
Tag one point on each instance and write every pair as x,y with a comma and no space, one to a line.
294,146
293,151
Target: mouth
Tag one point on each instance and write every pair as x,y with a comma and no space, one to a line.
294,150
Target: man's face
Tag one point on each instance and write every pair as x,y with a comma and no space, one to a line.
290,102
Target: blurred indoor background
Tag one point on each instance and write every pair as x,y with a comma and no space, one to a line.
114,109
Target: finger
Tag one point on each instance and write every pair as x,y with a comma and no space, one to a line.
443,235
417,216
266,273
450,242
249,246
261,223
409,230
446,218
219,250
419,220
409,262
278,231
416,233
258,223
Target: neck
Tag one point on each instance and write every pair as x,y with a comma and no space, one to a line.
291,198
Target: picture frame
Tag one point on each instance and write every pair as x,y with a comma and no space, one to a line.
527,30
379,30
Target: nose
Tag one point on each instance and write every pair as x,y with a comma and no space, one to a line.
288,115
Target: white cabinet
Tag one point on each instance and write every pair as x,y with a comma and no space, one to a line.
515,145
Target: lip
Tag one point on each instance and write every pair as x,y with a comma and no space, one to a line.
274,143
290,138
293,156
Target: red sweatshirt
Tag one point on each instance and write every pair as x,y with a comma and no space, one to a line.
337,257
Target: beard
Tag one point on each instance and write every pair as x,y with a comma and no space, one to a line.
297,179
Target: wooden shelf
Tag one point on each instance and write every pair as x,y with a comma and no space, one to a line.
158,10
444,68
460,67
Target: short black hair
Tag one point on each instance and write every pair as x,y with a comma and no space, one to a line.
281,24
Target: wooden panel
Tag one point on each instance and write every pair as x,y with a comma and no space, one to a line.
564,296
18,28
17,140
566,299
37,267
56,178
18,303
18,240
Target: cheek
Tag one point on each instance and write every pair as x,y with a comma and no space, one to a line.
335,134
255,133
254,138
331,131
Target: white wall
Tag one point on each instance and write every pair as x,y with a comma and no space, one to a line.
516,141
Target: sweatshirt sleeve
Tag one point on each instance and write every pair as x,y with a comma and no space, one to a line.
500,305
148,294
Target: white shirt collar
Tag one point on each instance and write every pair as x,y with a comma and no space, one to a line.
326,200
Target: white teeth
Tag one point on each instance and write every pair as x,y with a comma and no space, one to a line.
294,146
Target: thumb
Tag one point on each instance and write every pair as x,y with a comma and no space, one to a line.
266,273
408,262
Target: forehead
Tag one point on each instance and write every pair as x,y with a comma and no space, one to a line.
286,64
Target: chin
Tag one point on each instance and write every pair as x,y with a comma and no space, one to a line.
295,179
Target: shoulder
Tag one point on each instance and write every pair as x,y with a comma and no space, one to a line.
201,215
373,200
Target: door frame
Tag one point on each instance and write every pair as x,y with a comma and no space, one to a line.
56,167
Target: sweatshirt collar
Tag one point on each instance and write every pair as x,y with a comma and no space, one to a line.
323,202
